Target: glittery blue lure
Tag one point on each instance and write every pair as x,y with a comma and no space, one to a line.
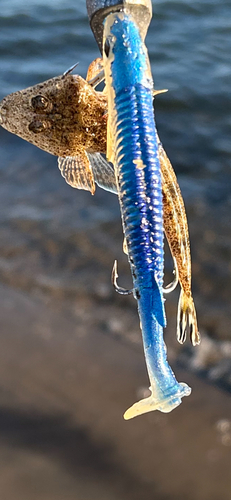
133,148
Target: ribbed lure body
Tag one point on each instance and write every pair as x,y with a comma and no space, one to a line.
133,148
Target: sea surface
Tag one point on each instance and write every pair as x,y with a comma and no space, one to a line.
70,347
189,46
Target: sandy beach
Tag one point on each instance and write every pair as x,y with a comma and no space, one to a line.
71,358
63,392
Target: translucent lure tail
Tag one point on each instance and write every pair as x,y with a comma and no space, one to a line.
186,319
166,391
151,403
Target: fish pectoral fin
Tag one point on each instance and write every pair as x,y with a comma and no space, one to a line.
103,172
77,171
158,303
186,319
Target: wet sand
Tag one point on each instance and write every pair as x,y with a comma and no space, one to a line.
63,392
71,359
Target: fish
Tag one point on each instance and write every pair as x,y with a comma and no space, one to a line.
176,231
132,146
65,116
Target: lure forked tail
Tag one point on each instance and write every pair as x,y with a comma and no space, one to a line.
133,147
166,391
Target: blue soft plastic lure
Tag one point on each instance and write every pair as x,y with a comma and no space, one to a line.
133,148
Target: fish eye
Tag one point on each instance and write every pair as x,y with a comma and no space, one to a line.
39,102
36,126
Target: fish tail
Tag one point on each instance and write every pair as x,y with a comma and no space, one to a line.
186,319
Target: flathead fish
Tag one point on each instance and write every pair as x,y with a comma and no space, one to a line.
67,117
176,231
64,116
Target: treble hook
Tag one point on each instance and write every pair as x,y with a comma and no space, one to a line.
114,276
124,291
169,288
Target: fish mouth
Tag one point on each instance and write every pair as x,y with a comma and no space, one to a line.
11,117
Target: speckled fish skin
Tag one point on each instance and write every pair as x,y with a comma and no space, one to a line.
71,118
63,116
134,151
176,231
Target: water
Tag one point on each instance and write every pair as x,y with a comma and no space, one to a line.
189,47
69,344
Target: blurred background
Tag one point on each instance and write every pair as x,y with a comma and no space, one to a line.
71,358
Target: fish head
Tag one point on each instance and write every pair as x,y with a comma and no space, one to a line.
51,114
